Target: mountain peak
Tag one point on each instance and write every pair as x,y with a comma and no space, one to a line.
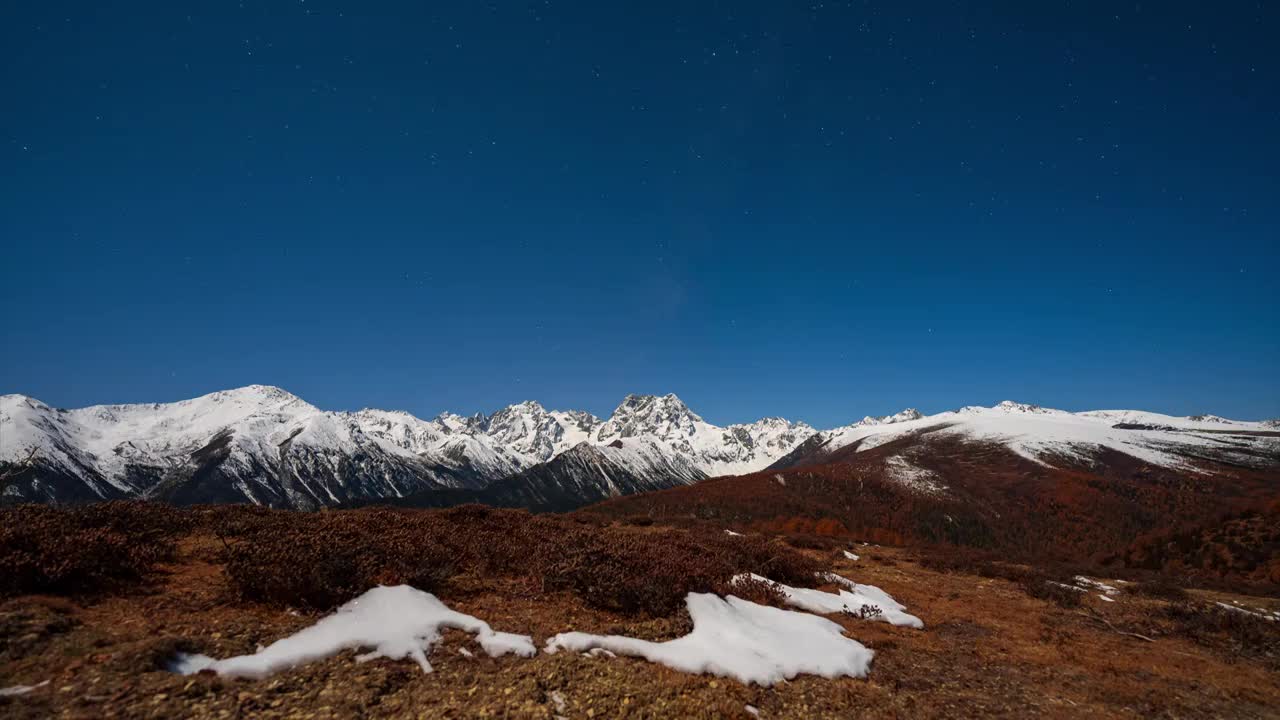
903,416
1011,407
529,405
254,393
1209,419
647,405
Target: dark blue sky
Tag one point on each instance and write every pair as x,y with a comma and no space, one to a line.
817,211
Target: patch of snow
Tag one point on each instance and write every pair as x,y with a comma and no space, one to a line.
1069,587
752,710
1262,614
1092,584
397,622
1104,597
557,699
465,652
739,639
735,534
913,477
849,556
21,689
850,600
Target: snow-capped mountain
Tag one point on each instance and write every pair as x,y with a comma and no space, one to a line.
731,450
1050,437
584,474
264,445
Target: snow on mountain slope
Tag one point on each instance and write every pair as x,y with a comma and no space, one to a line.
264,445
1045,435
584,474
715,450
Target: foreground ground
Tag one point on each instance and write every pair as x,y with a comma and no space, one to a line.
988,648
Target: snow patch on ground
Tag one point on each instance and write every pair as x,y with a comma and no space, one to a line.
397,622
1069,587
1264,614
21,689
848,600
1091,584
849,556
739,639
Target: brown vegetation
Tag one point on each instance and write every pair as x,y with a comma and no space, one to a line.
320,560
84,549
988,648
1003,503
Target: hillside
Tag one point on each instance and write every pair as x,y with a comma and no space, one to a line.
936,485
247,585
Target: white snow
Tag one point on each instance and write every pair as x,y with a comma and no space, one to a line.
396,622
267,427
849,556
851,599
1043,435
557,699
264,426
733,450
21,689
1104,597
739,639
1072,588
735,534
1092,584
912,477
1261,613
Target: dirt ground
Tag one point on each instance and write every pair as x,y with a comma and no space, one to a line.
987,649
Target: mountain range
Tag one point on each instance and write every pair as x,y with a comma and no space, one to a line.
263,445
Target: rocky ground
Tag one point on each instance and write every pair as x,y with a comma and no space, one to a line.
988,648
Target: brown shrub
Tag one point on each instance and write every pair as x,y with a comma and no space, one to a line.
651,572
1162,588
322,559
1060,594
1234,631
325,559
84,550
813,542
759,591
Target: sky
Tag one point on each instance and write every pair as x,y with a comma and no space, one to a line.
818,211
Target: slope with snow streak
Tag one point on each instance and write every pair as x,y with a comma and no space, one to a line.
582,475
1045,436
850,600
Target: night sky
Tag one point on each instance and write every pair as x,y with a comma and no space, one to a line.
812,210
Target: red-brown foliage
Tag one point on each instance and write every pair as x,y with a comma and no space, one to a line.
85,549
995,500
322,559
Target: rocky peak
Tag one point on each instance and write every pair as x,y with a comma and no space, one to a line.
660,416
